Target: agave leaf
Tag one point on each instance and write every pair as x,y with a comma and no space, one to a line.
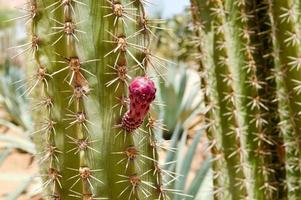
15,106
8,124
180,161
187,159
4,154
198,180
173,143
22,143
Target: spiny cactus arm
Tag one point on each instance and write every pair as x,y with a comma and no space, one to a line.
127,151
204,37
246,64
256,107
285,16
75,122
226,100
48,109
67,87
94,148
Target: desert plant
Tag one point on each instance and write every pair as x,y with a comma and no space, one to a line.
250,67
182,126
89,120
182,113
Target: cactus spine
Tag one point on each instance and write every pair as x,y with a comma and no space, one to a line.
285,20
95,143
258,71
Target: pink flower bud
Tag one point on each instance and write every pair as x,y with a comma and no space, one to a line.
142,92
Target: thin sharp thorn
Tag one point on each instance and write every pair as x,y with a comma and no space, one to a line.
57,21
21,17
123,191
75,183
90,183
75,37
96,179
59,71
88,72
89,61
133,57
51,5
21,53
23,45
57,40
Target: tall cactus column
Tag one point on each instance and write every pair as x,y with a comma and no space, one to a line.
285,34
200,16
93,107
237,70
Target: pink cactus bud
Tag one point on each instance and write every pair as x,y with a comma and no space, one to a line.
142,92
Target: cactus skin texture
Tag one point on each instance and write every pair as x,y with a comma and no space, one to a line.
85,54
250,75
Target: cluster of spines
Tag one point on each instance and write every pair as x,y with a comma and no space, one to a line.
228,103
201,23
76,116
39,82
264,150
134,154
259,140
65,35
284,15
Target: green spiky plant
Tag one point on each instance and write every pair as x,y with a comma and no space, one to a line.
250,67
87,123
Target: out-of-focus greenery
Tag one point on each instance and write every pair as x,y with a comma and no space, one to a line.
180,94
5,16
16,107
18,121
175,39
10,95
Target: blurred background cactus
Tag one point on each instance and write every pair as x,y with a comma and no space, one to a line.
249,63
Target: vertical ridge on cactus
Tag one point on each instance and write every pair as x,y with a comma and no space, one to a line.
227,101
82,50
237,67
285,16
201,19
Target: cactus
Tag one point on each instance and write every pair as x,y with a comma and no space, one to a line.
90,112
250,75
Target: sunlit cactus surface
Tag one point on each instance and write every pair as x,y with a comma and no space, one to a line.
91,77
250,68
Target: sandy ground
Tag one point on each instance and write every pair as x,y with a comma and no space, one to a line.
16,168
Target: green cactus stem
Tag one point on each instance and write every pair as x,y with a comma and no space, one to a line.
285,20
233,39
86,54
